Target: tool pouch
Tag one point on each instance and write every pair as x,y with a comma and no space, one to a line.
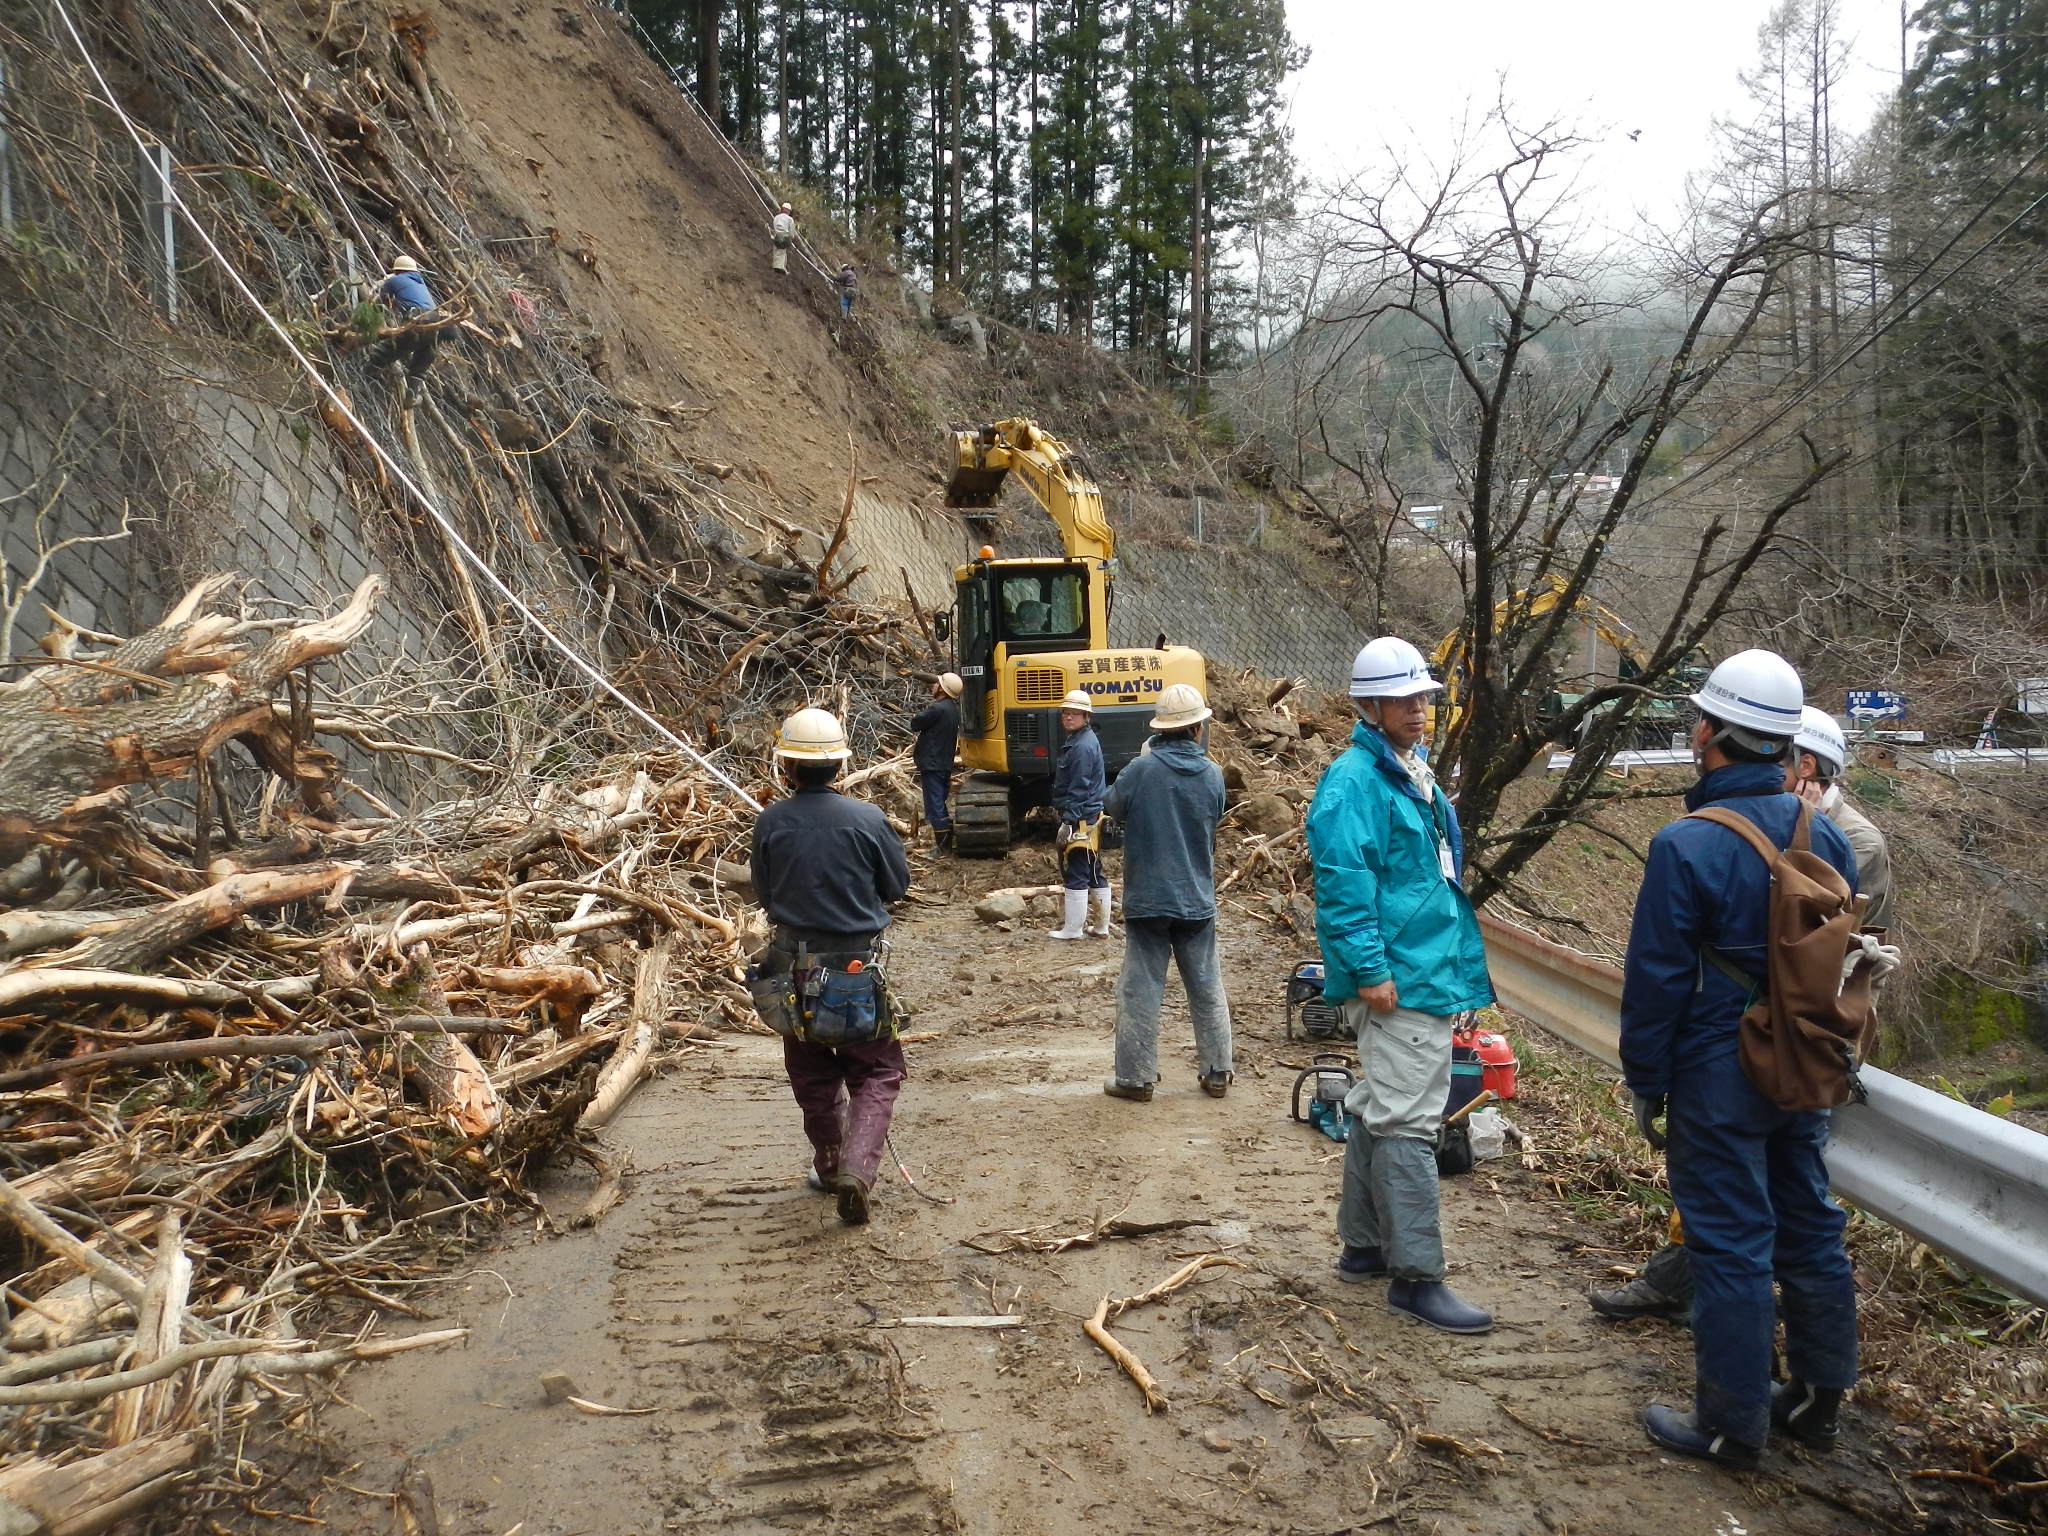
775,1001
848,1008
1453,1149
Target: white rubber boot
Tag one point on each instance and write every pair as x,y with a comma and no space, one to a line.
1076,913
1098,913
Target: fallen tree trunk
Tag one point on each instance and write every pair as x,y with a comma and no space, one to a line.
79,1498
628,1067
62,769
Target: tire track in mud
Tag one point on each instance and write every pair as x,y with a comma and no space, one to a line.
787,1410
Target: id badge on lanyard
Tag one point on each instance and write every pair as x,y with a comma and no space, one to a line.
1445,862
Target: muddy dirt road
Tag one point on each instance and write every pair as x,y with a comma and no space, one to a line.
728,1299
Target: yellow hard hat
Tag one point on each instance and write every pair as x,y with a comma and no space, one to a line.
1079,699
950,684
813,734
1180,706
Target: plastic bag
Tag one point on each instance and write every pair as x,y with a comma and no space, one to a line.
1489,1133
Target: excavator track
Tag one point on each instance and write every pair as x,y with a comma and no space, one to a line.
983,822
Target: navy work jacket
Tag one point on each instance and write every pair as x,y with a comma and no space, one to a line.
1079,778
1705,887
938,735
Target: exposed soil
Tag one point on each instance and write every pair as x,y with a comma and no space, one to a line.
730,1300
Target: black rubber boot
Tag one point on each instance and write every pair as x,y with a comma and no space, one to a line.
1216,1084
1683,1433
1357,1263
1117,1088
1434,1303
1810,1415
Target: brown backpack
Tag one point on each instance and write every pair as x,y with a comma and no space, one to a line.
1808,1030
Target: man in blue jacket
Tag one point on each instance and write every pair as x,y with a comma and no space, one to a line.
1170,801
938,742
1079,781
405,289
1748,1177
1403,956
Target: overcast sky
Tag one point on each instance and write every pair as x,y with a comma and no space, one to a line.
1411,73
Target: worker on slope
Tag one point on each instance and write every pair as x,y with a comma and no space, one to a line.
1748,1177
1169,802
782,231
826,866
1813,766
1078,782
848,283
405,290
938,741
1402,955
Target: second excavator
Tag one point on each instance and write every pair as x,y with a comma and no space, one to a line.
1027,630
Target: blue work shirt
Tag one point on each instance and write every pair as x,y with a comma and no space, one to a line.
1385,910
1078,778
408,291
1169,802
1706,887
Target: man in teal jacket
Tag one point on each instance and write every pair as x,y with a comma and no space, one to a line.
1402,955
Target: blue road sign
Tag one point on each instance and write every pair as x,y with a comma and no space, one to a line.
1876,704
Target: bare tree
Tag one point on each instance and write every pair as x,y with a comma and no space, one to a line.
1523,366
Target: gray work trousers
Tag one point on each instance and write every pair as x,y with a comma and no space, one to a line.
1390,1180
1141,988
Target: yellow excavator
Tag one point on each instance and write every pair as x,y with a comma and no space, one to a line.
1655,721
1027,631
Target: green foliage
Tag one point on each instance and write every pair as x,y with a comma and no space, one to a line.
367,320
1059,162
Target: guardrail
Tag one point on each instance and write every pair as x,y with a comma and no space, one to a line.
1966,1183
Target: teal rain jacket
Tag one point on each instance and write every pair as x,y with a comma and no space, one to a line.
1383,906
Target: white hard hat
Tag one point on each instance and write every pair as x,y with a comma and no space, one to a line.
785,207
404,264
1180,706
813,734
950,684
1390,668
1819,735
1755,690
1079,699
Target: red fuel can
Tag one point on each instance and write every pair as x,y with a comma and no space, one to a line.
1496,1057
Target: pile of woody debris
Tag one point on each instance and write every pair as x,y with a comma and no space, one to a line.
256,1061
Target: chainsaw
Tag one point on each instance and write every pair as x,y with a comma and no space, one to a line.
1328,1078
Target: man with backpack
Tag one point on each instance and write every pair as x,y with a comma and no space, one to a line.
1747,1173
1813,770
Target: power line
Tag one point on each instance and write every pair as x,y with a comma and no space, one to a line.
383,455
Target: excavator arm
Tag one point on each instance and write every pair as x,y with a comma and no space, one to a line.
1050,470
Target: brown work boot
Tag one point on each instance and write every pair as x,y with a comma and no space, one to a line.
853,1200
1216,1084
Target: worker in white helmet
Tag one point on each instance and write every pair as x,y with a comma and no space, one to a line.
1169,802
1402,956
782,231
1079,781
1813,770
1749,1179
825,867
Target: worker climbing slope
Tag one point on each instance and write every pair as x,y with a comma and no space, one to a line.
781,235
826,866
1078,785
1402,955
405,290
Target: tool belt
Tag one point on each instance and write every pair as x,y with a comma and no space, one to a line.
1085,835
828,1000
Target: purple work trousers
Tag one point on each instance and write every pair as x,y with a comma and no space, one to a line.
847,1094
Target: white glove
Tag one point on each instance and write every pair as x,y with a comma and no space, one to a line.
1884,958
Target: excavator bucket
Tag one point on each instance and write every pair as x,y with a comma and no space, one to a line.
973,487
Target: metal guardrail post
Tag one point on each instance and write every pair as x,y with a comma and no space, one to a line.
1969,1184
